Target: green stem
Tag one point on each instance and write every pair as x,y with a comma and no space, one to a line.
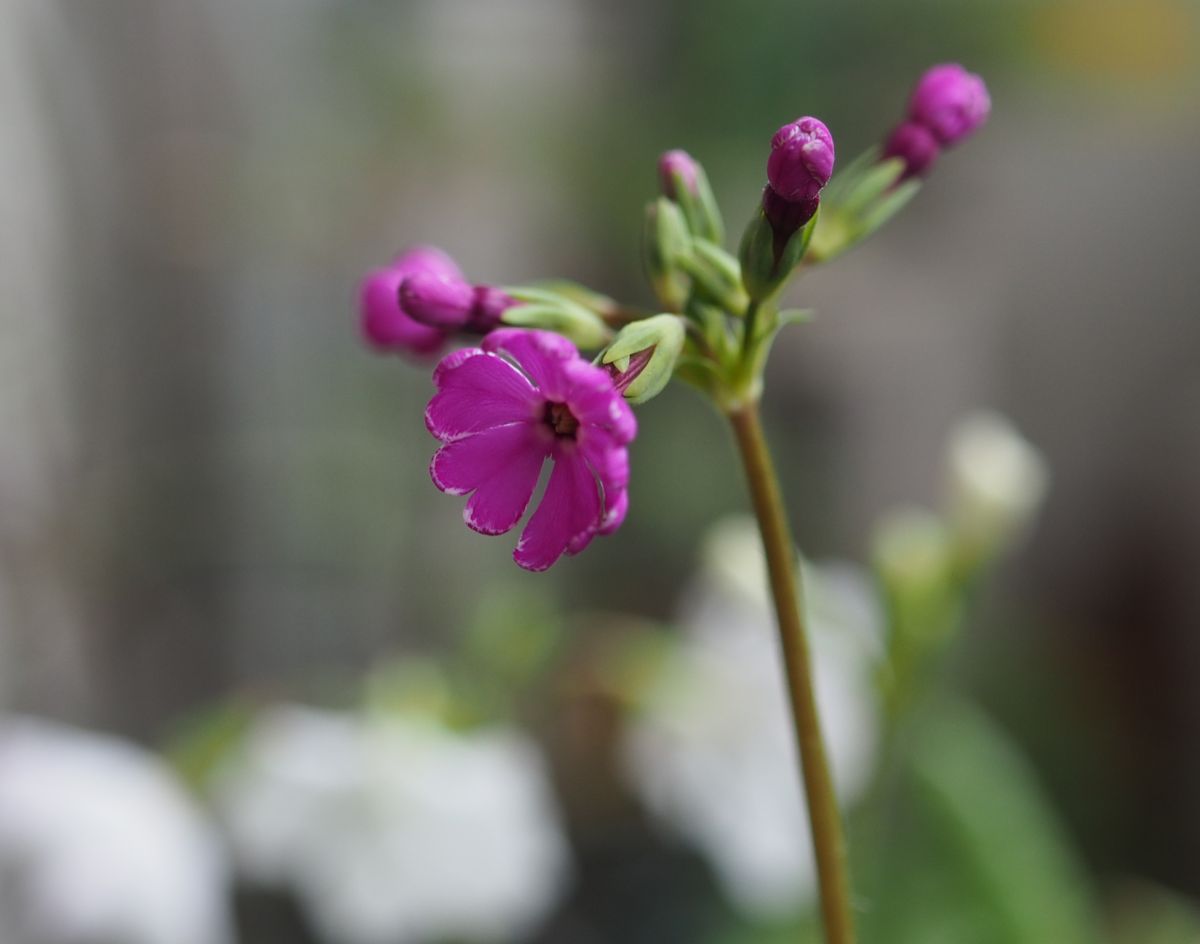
748,329
828,843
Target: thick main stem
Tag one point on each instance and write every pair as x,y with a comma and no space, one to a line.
828,842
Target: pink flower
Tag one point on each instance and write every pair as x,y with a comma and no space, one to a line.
385,324
501,410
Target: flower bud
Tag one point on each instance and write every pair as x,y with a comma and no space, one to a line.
384,324
951,102
801,160
643,356
916,146
436,300
667,240
677,168
684,182
488,307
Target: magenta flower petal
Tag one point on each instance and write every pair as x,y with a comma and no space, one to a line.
464,465
610,463
501,500
614,514
593,403
478,393
436,300
543,355
569,513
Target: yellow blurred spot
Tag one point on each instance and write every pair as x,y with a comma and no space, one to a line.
1149,40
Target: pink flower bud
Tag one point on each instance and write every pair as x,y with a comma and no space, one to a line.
436,300
673,164
916,146
951,102
801,160
384,325
489,306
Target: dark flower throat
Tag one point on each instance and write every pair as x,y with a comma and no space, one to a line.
558,417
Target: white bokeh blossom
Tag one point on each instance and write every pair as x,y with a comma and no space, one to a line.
995,481
393,829
711,750
99,844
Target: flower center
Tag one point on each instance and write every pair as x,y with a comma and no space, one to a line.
558,417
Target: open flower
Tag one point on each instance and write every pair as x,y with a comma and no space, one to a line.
394,828
99,842
711,752
501,410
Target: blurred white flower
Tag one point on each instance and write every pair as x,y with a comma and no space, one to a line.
995,480
912,549
393,829
712,751
99,844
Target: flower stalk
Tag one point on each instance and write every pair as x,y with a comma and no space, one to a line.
787,594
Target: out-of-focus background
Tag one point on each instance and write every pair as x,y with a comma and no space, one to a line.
209,488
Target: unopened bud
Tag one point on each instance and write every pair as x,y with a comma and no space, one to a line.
437,300
666,241
801,160
488,307
677,172
683,181
916,146
951,102
643,356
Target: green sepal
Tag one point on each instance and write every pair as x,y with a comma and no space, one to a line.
791,316
664,336
716,275
583,327
864,199
871,185
889,206
700,208
666,242
590,299
846,178
762,274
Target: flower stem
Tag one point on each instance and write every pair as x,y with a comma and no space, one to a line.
786,591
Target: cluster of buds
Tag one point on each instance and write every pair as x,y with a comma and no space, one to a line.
948,105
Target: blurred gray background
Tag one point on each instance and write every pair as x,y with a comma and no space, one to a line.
207,483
